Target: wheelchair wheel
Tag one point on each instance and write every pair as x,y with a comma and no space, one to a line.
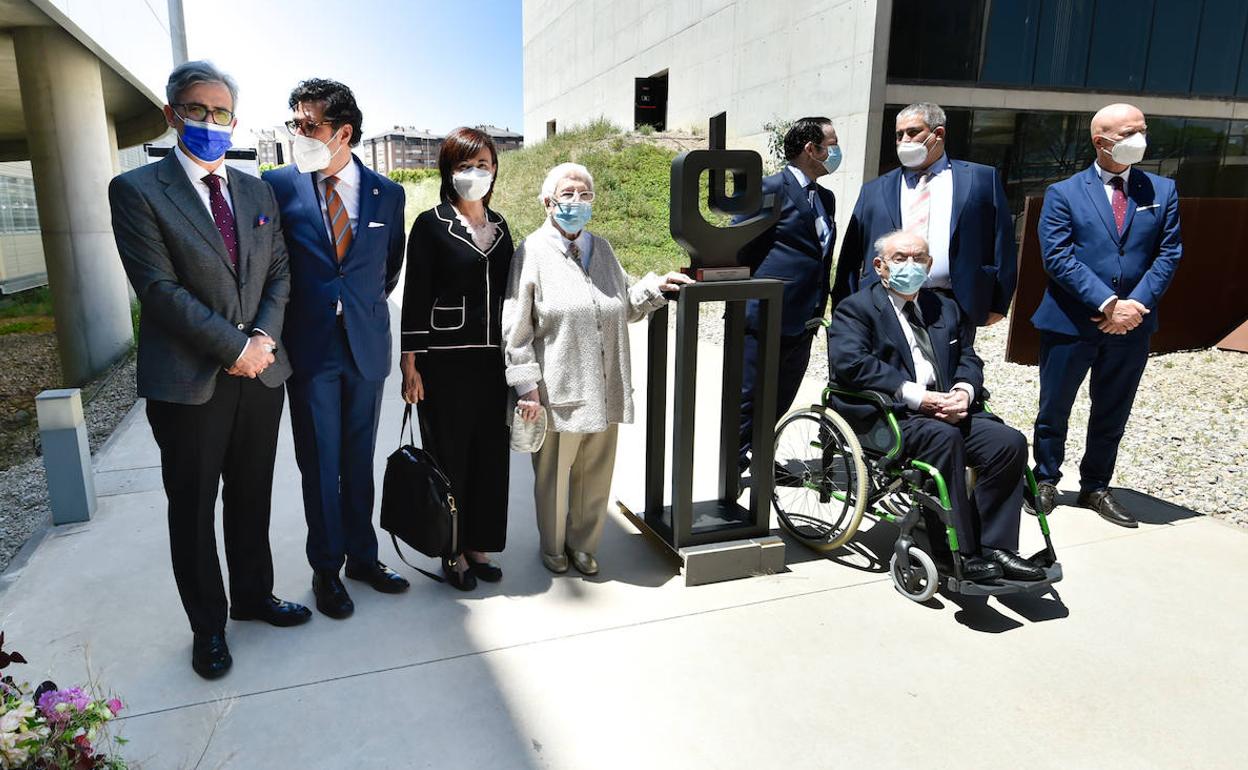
821,480
917,580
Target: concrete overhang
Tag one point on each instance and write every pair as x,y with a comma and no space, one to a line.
135,109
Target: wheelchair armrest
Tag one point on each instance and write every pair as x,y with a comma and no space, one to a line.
881,401
883,435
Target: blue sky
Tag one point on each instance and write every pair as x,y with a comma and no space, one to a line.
422,63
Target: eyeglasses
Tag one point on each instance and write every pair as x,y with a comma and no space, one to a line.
572,196
202,112
306,127
901,259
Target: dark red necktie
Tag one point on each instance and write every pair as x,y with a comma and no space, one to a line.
1119,202
222,215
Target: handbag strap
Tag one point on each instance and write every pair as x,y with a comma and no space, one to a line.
402,558
407,425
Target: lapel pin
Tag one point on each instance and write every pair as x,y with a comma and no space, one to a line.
262,220
376,191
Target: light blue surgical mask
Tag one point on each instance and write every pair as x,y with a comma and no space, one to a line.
206,141
906,278
572,217
833,161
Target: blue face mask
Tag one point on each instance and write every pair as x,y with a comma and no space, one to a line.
906,278
206,141
833,161
572,217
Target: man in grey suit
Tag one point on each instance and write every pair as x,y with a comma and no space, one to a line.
202,245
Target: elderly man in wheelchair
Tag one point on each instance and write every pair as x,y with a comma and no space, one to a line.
902,420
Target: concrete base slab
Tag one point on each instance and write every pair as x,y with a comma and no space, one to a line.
730,560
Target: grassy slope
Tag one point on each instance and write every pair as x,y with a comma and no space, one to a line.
630,178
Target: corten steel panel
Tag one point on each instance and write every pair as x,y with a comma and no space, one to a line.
1207,299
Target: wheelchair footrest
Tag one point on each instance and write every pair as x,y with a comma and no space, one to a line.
1002,586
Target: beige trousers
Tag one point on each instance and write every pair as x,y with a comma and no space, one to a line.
571,485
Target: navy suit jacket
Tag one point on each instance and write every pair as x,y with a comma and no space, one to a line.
363,281
790,250
983,262
1088,261
867,350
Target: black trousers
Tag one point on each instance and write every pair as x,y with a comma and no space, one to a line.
231,441
794,358
465,409
988,518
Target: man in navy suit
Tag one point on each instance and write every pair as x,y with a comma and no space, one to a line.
344,232
958,207
1110,240
915,346
796,249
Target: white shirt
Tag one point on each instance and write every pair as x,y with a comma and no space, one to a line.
348,189
911,393
940,214
196,174
821,215
1109,196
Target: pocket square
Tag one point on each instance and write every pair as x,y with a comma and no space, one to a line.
953,341
261,220
1149,206
376,224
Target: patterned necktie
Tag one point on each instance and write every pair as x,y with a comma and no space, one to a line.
574,251
339,222
224,218
922,338
920,207
1119,202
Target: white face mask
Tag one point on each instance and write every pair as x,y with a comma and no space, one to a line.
311,154
912,154
1129,151
472,184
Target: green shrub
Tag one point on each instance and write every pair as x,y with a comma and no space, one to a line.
32,302
412,175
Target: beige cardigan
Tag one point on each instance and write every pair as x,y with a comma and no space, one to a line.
566,330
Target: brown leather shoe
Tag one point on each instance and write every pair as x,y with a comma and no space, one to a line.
1046,499
1110,509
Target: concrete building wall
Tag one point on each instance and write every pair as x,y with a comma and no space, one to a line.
760,60
112,29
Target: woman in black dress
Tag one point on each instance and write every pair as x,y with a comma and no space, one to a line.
458,258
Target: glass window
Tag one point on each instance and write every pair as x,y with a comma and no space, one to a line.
1172,48
1119,45
1062,42
1200,157
1010,45
1221,38
935,41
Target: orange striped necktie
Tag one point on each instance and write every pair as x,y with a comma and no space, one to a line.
339,222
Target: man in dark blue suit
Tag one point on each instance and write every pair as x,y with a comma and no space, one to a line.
796,249
958,207
1110,240
344,232
916,346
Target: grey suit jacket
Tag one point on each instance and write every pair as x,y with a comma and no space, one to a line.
197,311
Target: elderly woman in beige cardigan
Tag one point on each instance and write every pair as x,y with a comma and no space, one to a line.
565,328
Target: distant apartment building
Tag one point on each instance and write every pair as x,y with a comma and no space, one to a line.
406,147
401,147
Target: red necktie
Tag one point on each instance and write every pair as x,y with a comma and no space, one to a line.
224,218
1119,202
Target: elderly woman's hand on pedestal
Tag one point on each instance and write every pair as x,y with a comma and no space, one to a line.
674,280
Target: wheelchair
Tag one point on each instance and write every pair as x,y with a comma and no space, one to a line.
828,477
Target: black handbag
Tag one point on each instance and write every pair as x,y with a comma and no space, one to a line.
417,502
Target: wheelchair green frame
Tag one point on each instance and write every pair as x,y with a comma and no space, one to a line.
889,473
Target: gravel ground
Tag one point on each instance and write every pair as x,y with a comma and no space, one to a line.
23,485
1186,441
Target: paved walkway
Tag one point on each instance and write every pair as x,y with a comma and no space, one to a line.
1136,662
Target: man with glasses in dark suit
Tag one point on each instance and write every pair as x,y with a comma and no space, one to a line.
203,248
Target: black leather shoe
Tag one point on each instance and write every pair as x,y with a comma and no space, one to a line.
210,656
1110,509
332,598
464,581
1014,566
485,570
380,577
275,612
1046,499
979,570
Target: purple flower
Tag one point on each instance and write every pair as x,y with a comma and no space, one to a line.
114,706
59,705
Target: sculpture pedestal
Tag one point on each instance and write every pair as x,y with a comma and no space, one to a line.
741,535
